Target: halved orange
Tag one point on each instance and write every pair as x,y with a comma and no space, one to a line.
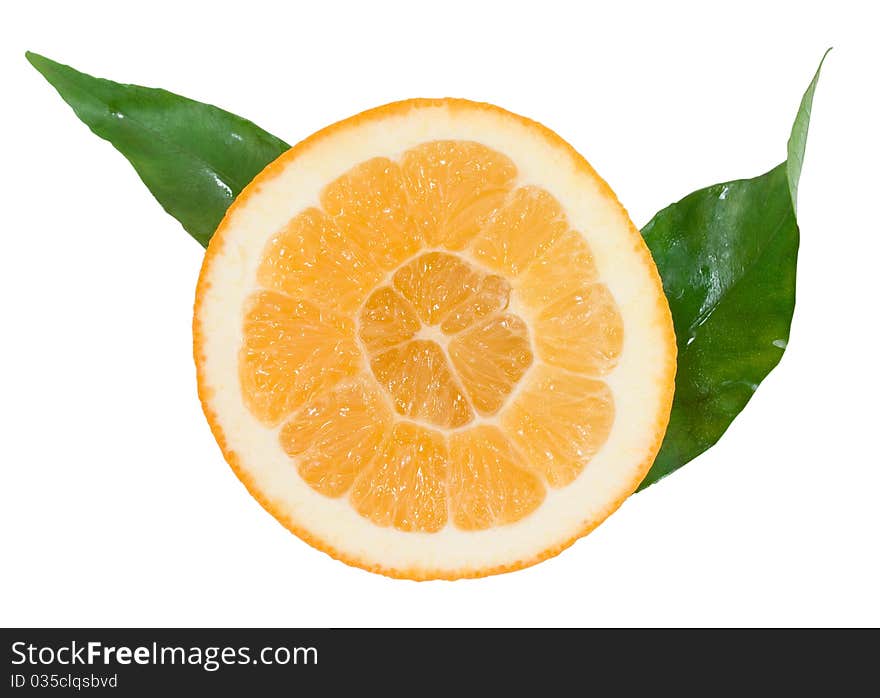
432,344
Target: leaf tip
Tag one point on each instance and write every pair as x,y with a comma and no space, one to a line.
40,63
822,61
797,141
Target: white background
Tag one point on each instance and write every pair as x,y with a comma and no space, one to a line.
116,507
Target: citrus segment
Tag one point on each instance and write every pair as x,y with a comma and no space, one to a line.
488,485
566,266
291,351
453,187
417,377
490,360
559,421
491,295
405,485
582,331
369,206
435,283
311,259
335,435
529,222
386,319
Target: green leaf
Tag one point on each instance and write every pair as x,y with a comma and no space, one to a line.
194,157
727,255
797,142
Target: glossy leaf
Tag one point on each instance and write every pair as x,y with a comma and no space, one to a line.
727,255
194,157
728,258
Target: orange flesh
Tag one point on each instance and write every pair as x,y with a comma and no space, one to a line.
384,340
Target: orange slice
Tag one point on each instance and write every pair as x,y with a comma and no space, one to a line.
432,344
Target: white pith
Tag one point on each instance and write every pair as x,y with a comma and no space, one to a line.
638,382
